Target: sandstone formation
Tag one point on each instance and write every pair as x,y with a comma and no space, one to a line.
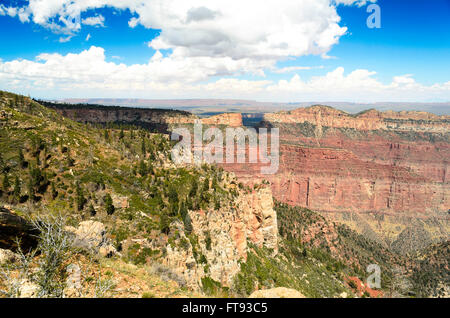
7,256
223,237
154,119
228,119
334,162
125,115
324,116
91,235
383,165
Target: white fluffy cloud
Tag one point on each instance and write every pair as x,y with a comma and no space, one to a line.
211,42
91,75
98,21
209,38
359,85
240,30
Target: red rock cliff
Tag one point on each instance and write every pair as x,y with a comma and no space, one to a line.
381,162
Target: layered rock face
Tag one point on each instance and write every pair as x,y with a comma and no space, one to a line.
368,120
223,236
228,119
384,163
150,118
126,115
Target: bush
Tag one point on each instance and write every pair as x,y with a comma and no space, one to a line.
54,249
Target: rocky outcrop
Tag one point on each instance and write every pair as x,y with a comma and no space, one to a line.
228,119
91,235
14,229
7,256
221,239
324,116
280,292
371,162
381,165
154,119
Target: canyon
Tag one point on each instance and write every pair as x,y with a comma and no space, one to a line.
387,167
384,166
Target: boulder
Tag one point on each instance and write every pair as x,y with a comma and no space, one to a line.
7,256
13,227
279,292
91,235
73,283
28,289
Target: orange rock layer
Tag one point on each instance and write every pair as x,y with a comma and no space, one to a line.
358,164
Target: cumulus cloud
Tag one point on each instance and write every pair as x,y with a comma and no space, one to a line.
207,39
358,85
98,21
219,37
89,74
242,31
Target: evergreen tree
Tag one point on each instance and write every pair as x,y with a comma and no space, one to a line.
92,211
54,192
187,224
217,204
205,186
143,148
17,188
30,189
164,224
21,159
121,135
194,189
183,210
109,204
173,195
142,168
2,164
6,183
80,199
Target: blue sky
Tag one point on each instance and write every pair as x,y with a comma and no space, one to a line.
407,59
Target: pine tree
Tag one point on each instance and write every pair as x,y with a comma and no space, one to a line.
164,224
2,164
17,188
21,159
183,210
92,211
187,224
80,199
6,183
54,192
109,204
142,168
194,189
31,189
143,148
173,195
